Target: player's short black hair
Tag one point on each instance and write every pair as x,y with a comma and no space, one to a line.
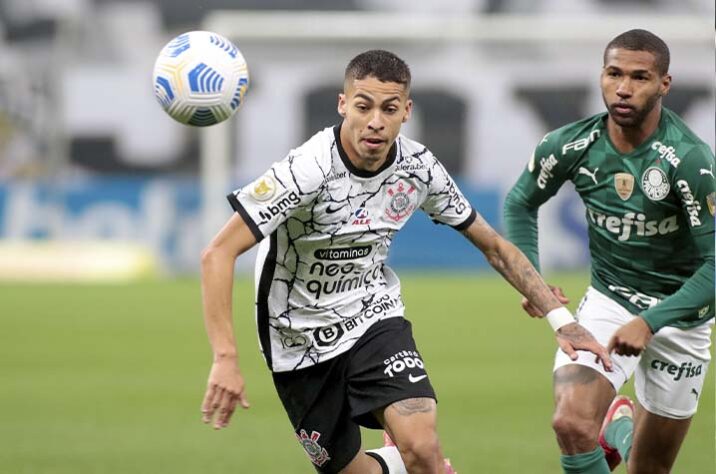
383,65
642,40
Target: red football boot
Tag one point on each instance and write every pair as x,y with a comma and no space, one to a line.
621,406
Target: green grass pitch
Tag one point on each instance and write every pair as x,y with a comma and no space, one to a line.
109,379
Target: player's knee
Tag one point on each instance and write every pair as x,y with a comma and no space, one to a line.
573,428
420,451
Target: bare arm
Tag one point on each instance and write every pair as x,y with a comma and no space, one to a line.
225,387
519,272
512,264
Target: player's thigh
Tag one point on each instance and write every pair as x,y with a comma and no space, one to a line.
315,401
672,371
386,367
582,398
657,441
411,424
602,317
410,417
582,392
668,385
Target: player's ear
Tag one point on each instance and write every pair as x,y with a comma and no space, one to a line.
665,85
408,110
342,105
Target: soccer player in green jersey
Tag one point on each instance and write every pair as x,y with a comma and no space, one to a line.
647,182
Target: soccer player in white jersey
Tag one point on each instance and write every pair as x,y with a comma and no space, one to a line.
328,310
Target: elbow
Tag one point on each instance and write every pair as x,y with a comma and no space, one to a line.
515,206
514,203
510,207
501,253
495,260
208,256
496,263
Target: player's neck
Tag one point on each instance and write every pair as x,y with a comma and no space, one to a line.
626,139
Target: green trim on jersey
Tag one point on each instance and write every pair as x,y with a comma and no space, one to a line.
649,215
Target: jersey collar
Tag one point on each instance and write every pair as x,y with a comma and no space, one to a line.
643,146
392,153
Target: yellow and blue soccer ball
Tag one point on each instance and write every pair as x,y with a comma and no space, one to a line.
200,78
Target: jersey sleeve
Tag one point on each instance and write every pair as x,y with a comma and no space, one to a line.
693,183
445,203
544,175
283,190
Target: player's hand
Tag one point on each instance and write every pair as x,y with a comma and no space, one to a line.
224,390
573,337
631,339
536,313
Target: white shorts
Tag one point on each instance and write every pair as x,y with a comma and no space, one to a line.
670,373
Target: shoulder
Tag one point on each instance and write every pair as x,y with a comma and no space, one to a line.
562,147
414,157
574,136
409,149
318,148
311,161
681,146
678,131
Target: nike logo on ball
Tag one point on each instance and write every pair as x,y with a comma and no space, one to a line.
414,379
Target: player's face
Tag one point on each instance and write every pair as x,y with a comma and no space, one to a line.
632,86
373,113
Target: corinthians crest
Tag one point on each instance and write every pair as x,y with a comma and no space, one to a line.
624,184
401,201
317,453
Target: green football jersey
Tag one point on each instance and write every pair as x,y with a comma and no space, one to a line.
649,214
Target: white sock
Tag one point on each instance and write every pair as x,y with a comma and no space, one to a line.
391,458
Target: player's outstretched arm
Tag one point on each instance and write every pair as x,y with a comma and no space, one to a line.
521,274
225,387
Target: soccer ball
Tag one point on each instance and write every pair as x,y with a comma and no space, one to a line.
200,78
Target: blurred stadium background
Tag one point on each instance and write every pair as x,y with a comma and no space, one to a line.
105,204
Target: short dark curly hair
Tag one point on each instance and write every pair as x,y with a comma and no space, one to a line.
642,40
383,65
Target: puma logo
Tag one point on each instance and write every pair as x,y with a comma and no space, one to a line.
696,394
591,174
710,171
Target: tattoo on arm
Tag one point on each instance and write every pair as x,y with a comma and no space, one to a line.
575,334
512,264
413,405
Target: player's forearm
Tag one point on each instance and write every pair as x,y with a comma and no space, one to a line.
217,275
696,294
512,264
521,226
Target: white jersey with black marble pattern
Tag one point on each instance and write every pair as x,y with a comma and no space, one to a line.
321,277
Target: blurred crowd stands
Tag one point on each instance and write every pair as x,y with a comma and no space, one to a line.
41,40
86,153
